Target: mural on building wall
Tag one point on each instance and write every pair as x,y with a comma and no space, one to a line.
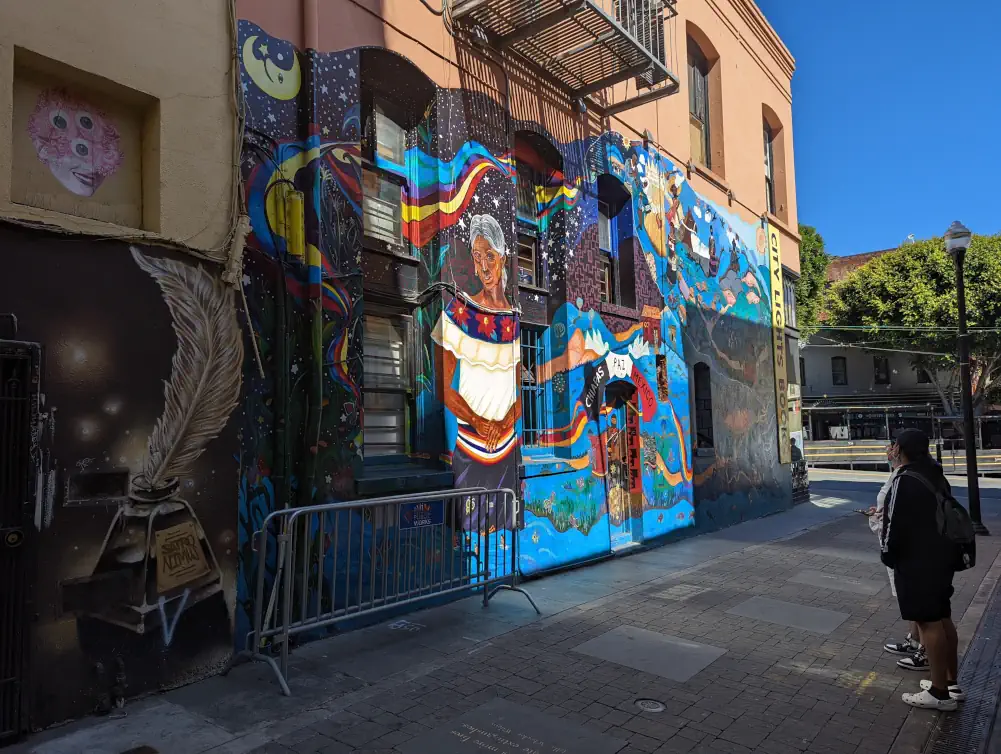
75,140
142,366
613,463
303,194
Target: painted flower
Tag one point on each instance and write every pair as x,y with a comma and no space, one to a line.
461,315
508,327
488,326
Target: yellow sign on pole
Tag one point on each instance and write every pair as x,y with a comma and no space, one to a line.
779,343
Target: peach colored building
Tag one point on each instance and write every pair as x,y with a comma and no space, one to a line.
553,245
749,72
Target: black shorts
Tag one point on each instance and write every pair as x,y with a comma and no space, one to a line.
923,599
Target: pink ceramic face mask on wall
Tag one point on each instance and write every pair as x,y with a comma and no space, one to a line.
77,142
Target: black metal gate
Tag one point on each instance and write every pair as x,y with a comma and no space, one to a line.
19,397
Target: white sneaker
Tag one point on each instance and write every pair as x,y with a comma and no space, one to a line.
925,700
954,691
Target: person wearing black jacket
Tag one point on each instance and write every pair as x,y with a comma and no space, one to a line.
922,562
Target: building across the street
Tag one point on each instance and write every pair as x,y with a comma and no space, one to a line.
855,398
314,252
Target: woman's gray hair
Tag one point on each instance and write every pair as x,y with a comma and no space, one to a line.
484,226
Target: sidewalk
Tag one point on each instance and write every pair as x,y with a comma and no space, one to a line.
765,637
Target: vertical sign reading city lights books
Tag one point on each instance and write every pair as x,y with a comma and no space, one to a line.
778,343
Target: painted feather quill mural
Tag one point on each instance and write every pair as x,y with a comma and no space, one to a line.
204,384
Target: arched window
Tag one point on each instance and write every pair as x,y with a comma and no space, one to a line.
775,164
618,276
705,101
703,406
538,165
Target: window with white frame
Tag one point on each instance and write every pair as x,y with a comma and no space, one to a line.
386,381
382,205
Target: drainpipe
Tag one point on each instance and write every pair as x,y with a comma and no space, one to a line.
310,33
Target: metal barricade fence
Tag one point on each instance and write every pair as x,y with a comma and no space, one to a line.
344,560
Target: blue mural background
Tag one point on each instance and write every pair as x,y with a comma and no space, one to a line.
612,373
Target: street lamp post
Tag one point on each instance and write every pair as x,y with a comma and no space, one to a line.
957,241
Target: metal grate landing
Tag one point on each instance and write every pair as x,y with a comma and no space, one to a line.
967,731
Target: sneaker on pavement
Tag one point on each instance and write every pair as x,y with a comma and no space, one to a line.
954,691
906,647
925,700
917,661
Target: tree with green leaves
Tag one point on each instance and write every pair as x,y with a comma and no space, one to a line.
813,262
905,300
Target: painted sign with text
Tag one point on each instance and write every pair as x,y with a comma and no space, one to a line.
418,515
778,343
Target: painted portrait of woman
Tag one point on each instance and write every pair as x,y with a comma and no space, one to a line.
481,348
75,140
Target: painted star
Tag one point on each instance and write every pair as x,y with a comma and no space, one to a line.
294,369
496,202
351,72
271,117
327,478
326,131
263,48
344,97
246,279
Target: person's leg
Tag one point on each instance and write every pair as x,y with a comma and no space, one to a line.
933,637
952,651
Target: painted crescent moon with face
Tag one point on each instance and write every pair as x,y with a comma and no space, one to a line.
277,82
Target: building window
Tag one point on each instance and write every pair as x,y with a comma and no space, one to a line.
618,279
789,300
607,278
703,407
802,371
382,207
839,370
769,169
698,105
775,165
390,138
528,259
527,181
604,227
881,367
534,408
924,378
382,181
386,381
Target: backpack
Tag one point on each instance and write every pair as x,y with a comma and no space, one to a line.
954,523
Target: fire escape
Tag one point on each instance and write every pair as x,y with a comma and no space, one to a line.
587,46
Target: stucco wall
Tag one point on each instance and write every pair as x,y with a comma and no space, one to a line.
818,380
174,56
756,71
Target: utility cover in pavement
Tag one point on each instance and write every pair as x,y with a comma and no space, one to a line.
681,592
866,556
789,614
660,654
504,727
838,581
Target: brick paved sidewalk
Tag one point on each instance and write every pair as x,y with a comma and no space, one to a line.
762,638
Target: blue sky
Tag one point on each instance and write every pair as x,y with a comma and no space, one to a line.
878,154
